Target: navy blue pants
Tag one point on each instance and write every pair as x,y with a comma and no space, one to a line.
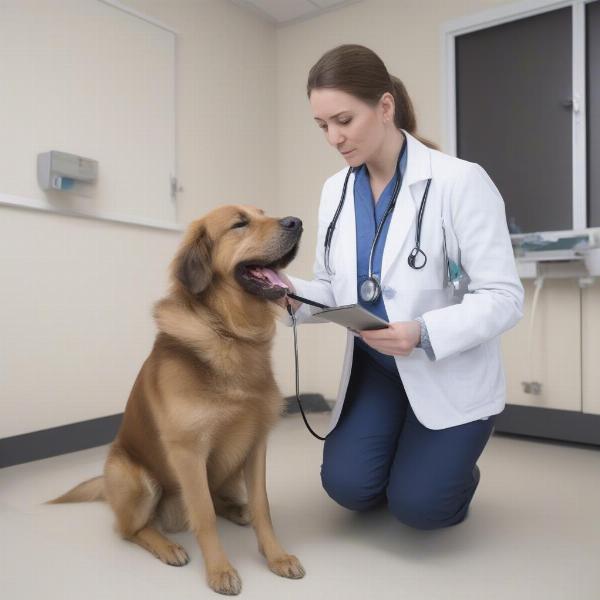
379,452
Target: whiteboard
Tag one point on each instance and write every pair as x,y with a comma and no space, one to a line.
91,78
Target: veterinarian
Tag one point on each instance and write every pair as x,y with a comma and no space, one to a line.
417,400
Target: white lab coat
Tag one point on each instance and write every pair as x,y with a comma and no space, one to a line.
466,381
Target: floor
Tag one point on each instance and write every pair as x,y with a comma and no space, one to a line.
533,532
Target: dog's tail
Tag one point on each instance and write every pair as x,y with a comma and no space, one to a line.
88,491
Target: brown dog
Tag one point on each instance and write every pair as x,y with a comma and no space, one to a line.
196,422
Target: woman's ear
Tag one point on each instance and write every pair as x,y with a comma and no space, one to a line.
194,269
387,107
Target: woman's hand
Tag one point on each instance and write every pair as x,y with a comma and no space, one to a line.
399,339
283,301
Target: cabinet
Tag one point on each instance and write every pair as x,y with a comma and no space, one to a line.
562,357
590,348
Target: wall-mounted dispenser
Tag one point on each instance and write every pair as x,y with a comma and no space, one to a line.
59,170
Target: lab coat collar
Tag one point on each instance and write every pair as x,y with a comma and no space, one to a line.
418,165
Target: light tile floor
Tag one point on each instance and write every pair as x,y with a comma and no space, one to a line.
533,532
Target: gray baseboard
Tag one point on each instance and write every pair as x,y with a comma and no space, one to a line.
548,423
58,440
97,432
310,403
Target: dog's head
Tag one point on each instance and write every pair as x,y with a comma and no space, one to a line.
239,244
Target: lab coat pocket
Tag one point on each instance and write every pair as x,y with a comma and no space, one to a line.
406,305
467,376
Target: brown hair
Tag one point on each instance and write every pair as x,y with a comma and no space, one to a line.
358,71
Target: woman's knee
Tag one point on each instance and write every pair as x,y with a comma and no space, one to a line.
350,491
426,511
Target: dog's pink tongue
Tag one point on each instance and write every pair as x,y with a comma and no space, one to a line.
273,277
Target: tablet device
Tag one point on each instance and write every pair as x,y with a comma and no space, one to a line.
352,316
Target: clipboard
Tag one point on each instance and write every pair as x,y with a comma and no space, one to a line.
353,316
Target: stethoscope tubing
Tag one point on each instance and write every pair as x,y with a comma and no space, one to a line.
389,209
412,257
417,249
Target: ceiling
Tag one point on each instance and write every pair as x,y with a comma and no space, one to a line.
285,11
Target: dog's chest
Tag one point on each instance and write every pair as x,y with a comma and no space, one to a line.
234,431
224,408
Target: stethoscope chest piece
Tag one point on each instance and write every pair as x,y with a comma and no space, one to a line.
416,261
370,290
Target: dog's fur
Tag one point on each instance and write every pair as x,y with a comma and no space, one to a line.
193,438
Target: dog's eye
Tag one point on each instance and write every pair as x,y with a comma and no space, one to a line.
240,224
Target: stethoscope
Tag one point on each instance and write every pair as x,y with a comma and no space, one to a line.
370,290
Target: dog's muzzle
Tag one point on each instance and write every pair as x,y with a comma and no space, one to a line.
260,276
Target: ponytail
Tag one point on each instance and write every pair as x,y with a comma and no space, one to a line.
404,115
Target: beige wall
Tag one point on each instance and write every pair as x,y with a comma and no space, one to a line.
75,322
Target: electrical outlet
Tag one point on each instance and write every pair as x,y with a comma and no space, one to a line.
532,387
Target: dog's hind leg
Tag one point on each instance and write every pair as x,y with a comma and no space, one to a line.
231,500
133,495
171,514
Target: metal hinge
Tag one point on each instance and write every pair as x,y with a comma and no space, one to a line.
175,188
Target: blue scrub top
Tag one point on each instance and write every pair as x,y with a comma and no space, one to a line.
367,217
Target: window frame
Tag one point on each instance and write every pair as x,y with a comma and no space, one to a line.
505,14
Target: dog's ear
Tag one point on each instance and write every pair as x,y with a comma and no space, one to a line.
193,269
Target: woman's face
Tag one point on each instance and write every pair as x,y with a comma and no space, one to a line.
351,125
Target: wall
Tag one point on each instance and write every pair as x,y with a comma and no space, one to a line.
75,323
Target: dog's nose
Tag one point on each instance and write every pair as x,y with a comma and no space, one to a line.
291,223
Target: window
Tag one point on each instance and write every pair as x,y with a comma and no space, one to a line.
524,85
593,111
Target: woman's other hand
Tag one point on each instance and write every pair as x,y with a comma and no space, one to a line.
399,339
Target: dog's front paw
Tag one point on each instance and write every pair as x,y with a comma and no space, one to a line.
287,565
225,581
175,555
